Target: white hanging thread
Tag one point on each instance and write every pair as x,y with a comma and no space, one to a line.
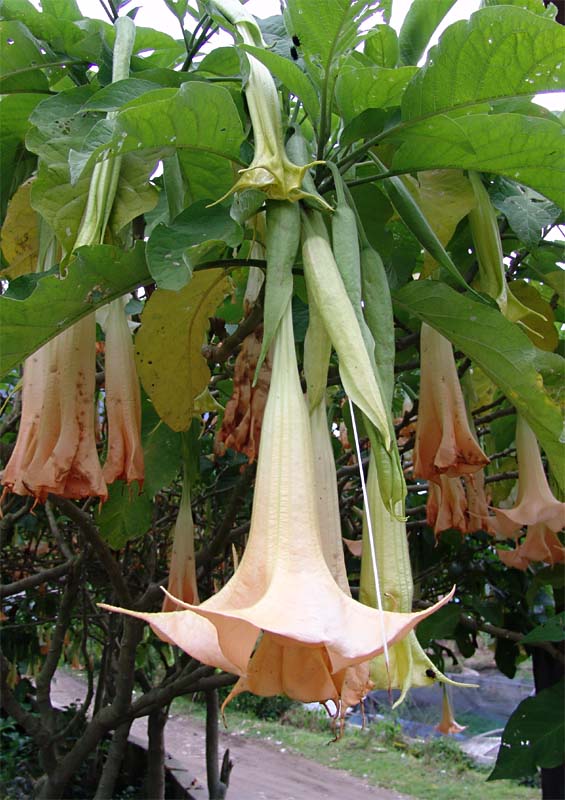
371,540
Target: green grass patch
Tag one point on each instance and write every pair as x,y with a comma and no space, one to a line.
380,754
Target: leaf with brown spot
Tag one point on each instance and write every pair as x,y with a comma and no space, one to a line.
173,371
19,240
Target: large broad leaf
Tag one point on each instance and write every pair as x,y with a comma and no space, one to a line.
19,50
18,237
198,117
525,149
15,162
126,515
533,736
360,88
161,450
499,53
419,24
499,348
96,276
173,371
173,250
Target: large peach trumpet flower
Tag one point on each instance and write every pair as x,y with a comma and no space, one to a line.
58,453
408,666
282,585
535,503
123,402
444,444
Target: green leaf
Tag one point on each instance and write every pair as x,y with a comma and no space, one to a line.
526,212
328,28
15,162
20,50
535,6
116,95
552,630
476,60
96,276
533,736
524,149
381,46
161,450
291,76
126,515
360,88
500,348
173,250
419,24
62,9
440,625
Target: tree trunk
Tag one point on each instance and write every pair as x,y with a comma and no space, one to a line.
218,779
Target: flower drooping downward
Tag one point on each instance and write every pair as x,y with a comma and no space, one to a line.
124,461
283,585
536,507
182,568
58,452
444,444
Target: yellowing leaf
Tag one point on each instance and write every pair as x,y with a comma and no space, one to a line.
19,234
542,332
173,371
445,197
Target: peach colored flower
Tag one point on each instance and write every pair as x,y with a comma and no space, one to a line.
283,585
540,544
447,505
124,460
479,518
60,450
448,724
535,503
444,443
182,570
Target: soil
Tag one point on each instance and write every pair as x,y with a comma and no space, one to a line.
262,770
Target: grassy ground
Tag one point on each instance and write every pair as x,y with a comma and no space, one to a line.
435,769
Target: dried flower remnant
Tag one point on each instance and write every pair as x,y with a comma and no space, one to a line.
64,459
243,417
123,402
283,585
444,443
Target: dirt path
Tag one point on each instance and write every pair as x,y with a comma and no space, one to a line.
262,770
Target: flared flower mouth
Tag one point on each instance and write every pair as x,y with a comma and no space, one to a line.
283,585
57,453
535,503
540,545
445,444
